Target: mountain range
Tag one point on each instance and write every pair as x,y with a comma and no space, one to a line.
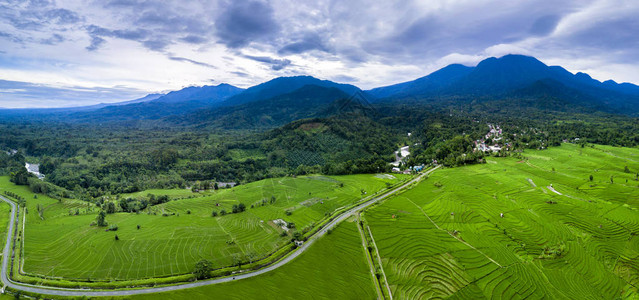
523,80
516,76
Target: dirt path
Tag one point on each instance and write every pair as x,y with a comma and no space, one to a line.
455,237
553,189
379,260
371,266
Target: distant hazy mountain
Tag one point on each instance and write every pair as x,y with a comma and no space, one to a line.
64,113
147,98
284,85
174,103
54,110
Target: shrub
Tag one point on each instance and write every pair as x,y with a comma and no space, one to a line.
110,208
100,220
202,269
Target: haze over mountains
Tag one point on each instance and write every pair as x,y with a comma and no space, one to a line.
286,99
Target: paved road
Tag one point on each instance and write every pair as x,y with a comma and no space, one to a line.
90,293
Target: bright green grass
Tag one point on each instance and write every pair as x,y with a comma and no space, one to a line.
5,213
64,245
597,226
333,268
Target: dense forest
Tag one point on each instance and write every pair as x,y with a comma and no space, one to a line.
90,161
299,125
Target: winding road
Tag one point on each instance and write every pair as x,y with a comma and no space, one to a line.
6,257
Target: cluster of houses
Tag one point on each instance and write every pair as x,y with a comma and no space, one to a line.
409,170
491,141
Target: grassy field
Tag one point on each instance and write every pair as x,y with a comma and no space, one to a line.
334,268
5,212
561,236
58,244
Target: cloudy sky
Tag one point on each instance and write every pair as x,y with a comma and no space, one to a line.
68,52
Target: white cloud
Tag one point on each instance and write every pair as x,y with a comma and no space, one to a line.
150,47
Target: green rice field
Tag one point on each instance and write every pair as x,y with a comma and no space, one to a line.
334,268
531,227
561,235
175,235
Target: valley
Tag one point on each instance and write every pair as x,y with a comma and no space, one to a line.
275,150
435,188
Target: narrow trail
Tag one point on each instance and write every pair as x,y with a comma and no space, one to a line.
379,259
455,237
24,221
371,266
552,189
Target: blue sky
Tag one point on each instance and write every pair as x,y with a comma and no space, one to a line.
68,53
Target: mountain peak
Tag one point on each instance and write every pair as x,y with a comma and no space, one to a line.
610,82
582,75
424,85
284,85
206,93
512,60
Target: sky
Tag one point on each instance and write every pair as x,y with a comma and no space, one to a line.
70,53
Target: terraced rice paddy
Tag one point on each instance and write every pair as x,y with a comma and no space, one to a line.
446,237
63,245
334,268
